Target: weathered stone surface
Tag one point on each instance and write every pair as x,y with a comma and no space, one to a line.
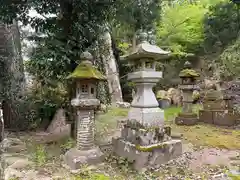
13,145
10,173
12,158
147,116
224,118
149,156
21,164
218,109
188,121
85,103
58,123
123,104
75,158
45,137
206,116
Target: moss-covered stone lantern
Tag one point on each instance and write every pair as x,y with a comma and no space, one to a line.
85,77
188,85
144,139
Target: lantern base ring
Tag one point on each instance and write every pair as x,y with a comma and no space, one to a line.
75,158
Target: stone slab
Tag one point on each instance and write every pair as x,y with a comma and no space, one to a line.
188,121
158,153
147,116
206,116
75,158
58,124
224,118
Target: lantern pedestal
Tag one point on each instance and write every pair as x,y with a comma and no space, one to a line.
149,117
75,158
85,152
150,155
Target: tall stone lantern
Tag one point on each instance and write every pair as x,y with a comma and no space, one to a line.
188,85
144,139
145,108
85,77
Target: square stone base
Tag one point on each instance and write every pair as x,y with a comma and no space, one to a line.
224,118
147,116
144,157
188,119
206,116
218,117
75,158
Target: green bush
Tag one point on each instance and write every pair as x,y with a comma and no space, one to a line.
40,105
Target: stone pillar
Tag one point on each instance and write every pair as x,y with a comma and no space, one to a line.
144,139
188,85
85,129
85,104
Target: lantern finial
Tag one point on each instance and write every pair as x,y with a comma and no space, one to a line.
86,56
187,65
143,36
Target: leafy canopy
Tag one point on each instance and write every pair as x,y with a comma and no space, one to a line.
181,28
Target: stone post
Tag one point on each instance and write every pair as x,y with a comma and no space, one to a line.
144,139
85,103
2,160
188,85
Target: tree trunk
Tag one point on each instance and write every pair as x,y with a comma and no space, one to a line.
12,76
110,65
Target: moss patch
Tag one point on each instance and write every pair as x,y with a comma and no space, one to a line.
86,71
150,148
189,73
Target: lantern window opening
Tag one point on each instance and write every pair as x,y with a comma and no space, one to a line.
92,91
84,88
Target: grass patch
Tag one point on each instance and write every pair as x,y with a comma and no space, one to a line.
171,113
208,135
40,155
106,124
199,135
205,134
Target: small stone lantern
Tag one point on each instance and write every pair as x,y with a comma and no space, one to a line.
85,77
188,85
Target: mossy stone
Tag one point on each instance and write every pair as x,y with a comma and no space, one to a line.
189,73
86,70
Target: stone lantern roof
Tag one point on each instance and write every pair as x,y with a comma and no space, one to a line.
146,50
86,70
188,72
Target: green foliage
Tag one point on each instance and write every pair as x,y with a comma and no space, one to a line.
67,145
87,174
139,14
40,155
221,26
230,61
74,26
181,28
42,103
